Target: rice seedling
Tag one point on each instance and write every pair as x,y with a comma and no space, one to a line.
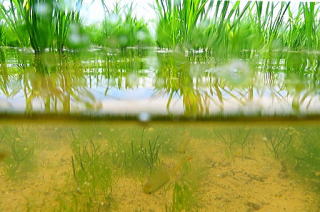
92,174
178,20
211,25
233,137
46,22
2,34
278,141
304,156
259,25
140,156
303,27
121,29
20,158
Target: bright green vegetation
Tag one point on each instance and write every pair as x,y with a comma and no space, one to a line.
113,166
214,26
47,23
121,29
177,20
92,176
233,27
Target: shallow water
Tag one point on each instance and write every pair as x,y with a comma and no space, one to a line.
125,166
248,143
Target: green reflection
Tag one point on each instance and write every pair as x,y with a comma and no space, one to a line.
194,84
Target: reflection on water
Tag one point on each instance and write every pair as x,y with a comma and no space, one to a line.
135,81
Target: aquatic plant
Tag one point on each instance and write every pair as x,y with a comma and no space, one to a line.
233,137
139,156
304,156
20,158
92,175
278,141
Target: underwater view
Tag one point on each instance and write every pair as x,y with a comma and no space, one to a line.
162,105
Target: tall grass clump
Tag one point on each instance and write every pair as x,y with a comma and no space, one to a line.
92,177
270,22
177,20
121,29
224,26
46,22
138,156
303,27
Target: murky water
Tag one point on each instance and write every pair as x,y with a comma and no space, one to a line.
109,152
103,166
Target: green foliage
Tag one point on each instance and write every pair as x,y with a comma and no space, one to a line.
121,29
177,21
139,156
236,26
215,26
46,22
92,175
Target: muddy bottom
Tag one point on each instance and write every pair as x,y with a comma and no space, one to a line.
159,167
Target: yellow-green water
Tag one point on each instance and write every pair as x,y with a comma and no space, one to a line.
78,159
160,166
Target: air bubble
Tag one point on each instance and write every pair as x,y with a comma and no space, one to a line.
141,35
114,18
133,79
123,40
42,9
144,117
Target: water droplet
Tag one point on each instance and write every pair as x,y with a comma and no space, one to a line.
42,9
141,35
75,38
133,79
123,40
114,18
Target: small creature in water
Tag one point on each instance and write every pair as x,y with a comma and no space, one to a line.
161,176
3,155
156,180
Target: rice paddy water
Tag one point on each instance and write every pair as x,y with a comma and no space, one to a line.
216,110
141,130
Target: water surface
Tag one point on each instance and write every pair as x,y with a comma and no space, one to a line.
160,83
